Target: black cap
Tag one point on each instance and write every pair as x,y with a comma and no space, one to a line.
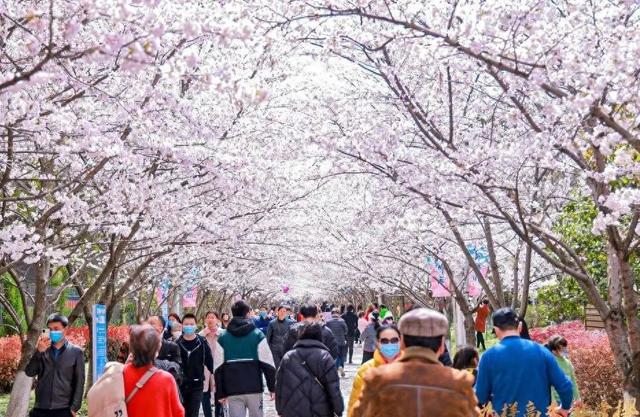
59,318
505,317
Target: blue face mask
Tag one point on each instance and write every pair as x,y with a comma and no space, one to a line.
55,336
390,350
188,329
263,315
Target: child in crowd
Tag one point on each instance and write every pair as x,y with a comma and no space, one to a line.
467,358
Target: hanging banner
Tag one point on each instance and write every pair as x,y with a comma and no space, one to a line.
438,278
190,296
162,291
162,294
99,336
482,260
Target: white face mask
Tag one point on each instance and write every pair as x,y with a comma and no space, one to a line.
176,334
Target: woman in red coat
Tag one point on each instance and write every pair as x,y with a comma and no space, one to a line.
159,395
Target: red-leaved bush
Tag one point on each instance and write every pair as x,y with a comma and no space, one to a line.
10,347
590,353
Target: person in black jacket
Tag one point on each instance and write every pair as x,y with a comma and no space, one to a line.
169,358
59,366
339,329
309,314
277,334
307,383
351,319
195,354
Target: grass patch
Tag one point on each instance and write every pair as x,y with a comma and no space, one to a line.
4,404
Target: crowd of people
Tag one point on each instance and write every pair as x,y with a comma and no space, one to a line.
172,369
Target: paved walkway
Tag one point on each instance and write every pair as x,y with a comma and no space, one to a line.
345,385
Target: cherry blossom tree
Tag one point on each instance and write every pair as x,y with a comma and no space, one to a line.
506,109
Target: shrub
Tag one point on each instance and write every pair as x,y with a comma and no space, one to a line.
591,355
10,347
116,335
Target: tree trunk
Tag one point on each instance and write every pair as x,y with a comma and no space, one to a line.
630,305
516,279
469,328
88,353
493,262
19,399
526,282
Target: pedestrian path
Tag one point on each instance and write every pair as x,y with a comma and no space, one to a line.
345,385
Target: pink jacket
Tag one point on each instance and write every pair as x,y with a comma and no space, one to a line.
362,324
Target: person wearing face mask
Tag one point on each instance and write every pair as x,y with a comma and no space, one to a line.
174,328
262,320
417,384
196,356
387,351
560,348
59,367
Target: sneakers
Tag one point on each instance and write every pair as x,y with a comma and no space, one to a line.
341,370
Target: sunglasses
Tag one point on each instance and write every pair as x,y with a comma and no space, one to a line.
385,341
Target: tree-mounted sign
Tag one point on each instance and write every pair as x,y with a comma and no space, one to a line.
592,319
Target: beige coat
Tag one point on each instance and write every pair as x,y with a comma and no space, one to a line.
106,396
209,381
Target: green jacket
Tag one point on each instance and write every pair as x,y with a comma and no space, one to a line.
567,368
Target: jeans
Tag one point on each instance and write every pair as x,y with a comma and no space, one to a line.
191,401
350,341
480,340
239,404
342,356
367,356
38,412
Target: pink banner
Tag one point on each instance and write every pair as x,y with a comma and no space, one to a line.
473,284
439,279
190,297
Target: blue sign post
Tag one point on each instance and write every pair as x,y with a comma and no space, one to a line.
99,335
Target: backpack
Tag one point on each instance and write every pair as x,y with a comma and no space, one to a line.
106,396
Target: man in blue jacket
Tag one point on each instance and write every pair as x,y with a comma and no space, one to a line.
518,371
262,320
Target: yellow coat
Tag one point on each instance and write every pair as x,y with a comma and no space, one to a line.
358,381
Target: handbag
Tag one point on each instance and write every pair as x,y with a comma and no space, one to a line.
106,397
306,366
